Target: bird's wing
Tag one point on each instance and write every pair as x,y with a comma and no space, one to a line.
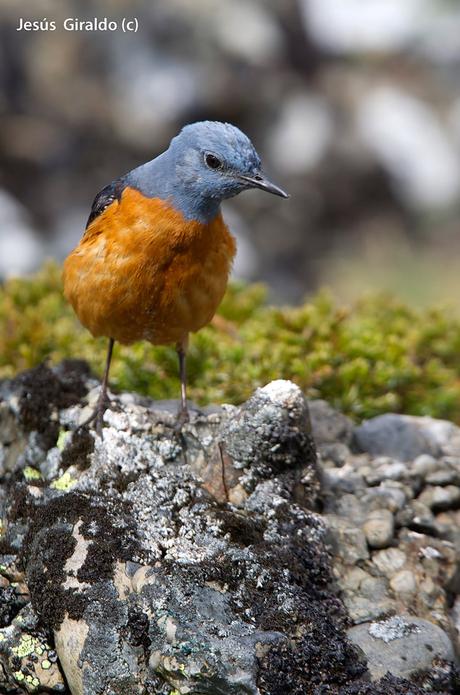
105,198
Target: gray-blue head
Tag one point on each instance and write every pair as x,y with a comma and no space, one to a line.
217,160
206,163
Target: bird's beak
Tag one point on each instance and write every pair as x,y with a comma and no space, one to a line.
259,181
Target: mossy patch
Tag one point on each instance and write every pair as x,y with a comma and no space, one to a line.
377,356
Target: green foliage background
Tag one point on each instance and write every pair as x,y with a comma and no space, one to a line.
376,356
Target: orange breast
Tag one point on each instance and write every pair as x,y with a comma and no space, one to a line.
143,272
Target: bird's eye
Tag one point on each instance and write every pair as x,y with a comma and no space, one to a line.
212,161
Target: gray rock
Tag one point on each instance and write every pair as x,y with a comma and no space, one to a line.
403,582
402,645
165,562
362,609
388,469
402,437
328,425
384,497
443,476
347,541
144,573
417,515
342,480
25,650
337,453
439,498
379,528
389,561
423,465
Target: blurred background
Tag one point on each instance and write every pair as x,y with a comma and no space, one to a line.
354,106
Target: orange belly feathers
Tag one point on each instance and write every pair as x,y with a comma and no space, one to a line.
144,272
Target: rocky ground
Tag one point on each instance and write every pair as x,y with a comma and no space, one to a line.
228,558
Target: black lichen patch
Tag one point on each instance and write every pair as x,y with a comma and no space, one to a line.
73,375
138,628
49,543
388,685
443,676
42,391
242,529
22,505
78,451
316,663
45,574
10,605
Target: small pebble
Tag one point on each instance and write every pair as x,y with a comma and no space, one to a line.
440,498
379,528
424,464
444,476
389,561
404,582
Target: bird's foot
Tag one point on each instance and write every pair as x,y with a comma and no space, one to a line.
97,416
183,416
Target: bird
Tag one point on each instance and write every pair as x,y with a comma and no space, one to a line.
155,257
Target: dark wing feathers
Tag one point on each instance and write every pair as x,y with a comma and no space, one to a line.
105,198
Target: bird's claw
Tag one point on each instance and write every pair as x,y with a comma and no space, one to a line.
97,416
183,416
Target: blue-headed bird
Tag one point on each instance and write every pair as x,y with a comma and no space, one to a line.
154,261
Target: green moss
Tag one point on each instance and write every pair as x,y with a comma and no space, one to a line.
376,356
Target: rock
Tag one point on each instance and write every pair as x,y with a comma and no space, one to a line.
328,425
424,464
455,614
389,561
337,453
443,476
140,571
160,562
342,480
383,497
379,528
401,645
404,437
417,516
403,582
440,498
368,599
347,541
27,659
386,469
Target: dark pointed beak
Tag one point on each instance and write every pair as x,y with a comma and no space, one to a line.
259,181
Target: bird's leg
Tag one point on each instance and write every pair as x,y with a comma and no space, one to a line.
182,415
101,404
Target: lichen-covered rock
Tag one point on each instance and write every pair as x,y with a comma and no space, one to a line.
27,659
402,644
146,576
159,562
